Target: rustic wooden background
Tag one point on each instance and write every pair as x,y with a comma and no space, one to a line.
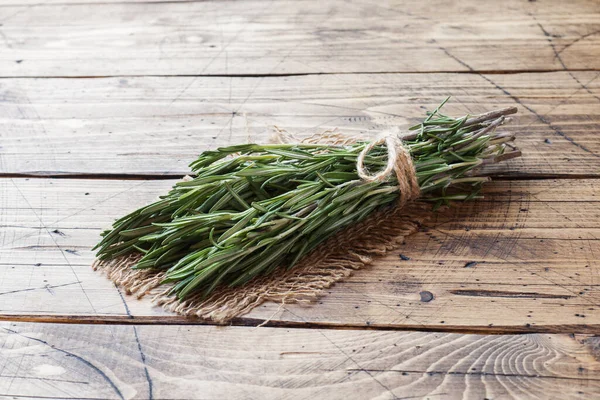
103,103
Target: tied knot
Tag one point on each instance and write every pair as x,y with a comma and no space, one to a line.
399,162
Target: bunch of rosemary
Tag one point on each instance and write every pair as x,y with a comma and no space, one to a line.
251,209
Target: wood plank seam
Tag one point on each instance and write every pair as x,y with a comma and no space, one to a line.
300,74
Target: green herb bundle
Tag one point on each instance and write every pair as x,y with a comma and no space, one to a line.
251,209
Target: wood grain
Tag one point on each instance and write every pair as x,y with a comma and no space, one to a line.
183,362
156,126
524,259
110,89
291,37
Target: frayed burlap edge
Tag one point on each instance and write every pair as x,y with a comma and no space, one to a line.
350,249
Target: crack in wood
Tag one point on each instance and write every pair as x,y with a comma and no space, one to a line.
512,295
254,322
139,345
83,360
300,74
504,176
45,287
480,373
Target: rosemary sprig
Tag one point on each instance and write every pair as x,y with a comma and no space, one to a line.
251,209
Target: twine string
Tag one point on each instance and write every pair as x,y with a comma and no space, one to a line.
399,162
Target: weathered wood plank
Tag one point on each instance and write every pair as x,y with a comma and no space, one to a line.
283,37
202,362
156,126
525,258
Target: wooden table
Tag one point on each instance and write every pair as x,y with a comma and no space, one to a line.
104,103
